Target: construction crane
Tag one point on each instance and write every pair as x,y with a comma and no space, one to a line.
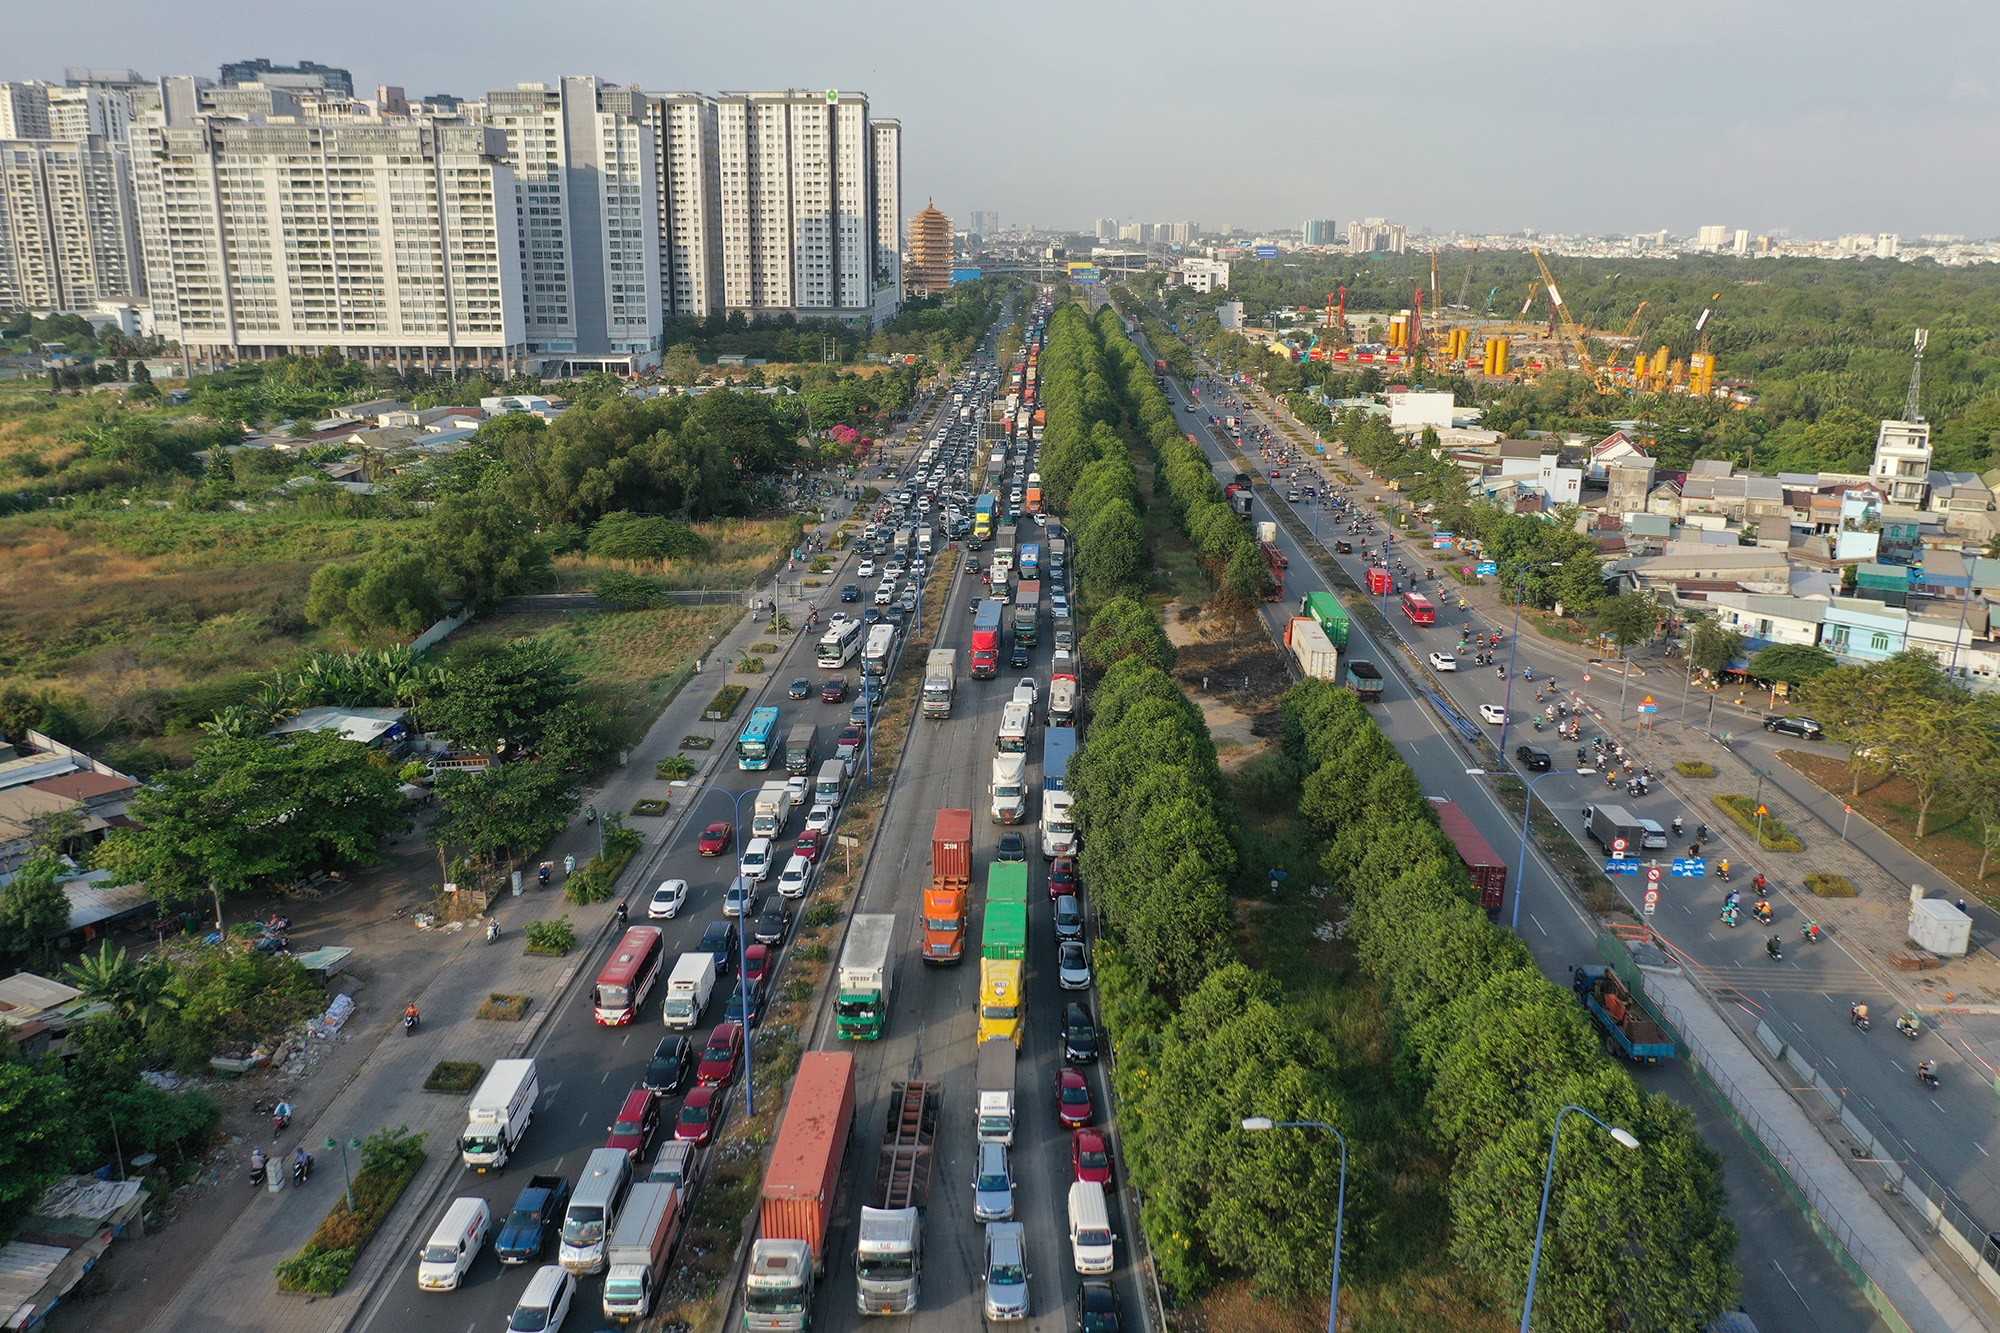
1701,362
1630,338
1559,317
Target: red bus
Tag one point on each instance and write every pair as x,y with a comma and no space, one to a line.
633,968
1420,609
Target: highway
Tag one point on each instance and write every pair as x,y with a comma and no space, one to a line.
1790,1282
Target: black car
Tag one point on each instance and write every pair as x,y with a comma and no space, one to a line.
851,593
720,940
1079,1034
1802,727
1533,758
1021,656
1344,548
799,688
1013,847
772,924
1097,1305
672,1062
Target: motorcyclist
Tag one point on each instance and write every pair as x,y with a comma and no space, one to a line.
1858,1011
1810,930
621,916
302,1161
1908,1024
1927,1072
1773,947
1724,868
1760,884
1762,909
257,1164
1677,826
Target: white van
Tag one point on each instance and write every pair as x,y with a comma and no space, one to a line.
456,1242
545,1304
1090,1238
830,783
607,1174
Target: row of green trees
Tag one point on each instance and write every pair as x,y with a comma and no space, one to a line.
1086,468
1635,1240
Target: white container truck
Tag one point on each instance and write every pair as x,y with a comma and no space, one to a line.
939,677
1315,653
1058,824
997,1059
688,987
773,809
861,1005
1009,788
501,1109
641,1243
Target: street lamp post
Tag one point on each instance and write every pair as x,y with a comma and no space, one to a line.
1528,809
1624,1137
335,1145
1260,1123
742,948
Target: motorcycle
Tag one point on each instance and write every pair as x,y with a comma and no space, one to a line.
281,1116
492,929
1539,724
1927,1078
1762,911
1729,917
1908,1026
409,1024
1774,948
1810,931
258,1163
302,1169
1856,1017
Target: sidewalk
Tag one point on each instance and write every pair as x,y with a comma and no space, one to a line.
234,1287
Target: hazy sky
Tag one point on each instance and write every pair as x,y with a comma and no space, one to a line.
1822,116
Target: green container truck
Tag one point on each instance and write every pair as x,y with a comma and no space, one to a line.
1331,615
1006,931
1007,882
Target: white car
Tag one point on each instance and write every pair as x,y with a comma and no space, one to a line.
867,570
886,593
1443,662
1026,685
1493,713
668,899
755,864
796,878
819,817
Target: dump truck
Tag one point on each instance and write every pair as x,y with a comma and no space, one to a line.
1364,680
795,1206
889,1250
951,885
635,1259
866,973
1626,1024
939,668
1318,659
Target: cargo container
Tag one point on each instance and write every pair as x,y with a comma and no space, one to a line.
1487,870
795,1206
950,887
1331,615
1313,651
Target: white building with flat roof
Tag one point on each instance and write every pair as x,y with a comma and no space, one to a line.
69,230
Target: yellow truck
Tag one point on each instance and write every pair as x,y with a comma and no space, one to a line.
1000,1000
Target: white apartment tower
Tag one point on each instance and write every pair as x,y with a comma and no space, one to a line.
798,198
584,162
682,127
885,171
69,234
24,110
392,242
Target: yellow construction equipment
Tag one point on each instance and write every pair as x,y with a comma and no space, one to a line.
1701,362
1568,332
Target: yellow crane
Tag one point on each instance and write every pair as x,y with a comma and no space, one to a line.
1630,339
1567,327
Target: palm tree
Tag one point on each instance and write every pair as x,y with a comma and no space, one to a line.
136,992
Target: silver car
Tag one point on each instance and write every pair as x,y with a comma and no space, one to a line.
1073,966
993,1187
1006,1271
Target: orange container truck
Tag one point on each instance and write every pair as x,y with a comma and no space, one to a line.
795,1206
951,884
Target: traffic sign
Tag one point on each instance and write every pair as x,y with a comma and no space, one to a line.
1690,867
1763,810
1652,901
1486,567
1649,708
1586,678
1622,865
1652,874
1618,846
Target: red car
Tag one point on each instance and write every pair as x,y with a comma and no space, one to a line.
696,1122
810,844
719,1057
1090,1156
638,1121
715,839
834,690
1072,1098
1062,877
756,963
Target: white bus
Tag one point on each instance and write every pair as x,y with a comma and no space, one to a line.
875,658
837,645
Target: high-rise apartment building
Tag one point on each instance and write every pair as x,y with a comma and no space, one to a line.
24,110
930,251
1713,238
799,189
1320,231
586,198
69,235
1175,233
1377,236
306,76
1107,229
683,137
885,170
392,242
985,221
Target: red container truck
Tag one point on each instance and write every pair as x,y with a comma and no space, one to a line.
1379,582
986,640
795,1206
1488,871
951,882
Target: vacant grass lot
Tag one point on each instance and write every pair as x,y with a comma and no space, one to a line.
741,553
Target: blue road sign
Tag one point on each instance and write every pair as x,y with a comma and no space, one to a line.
1487,567
1622,865
1691,867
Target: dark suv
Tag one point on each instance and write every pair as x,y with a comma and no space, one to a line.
1802,727
672,1062
1079,1034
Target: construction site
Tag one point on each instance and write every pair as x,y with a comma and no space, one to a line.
1434,337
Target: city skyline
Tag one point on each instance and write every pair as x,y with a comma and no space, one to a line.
1780,117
